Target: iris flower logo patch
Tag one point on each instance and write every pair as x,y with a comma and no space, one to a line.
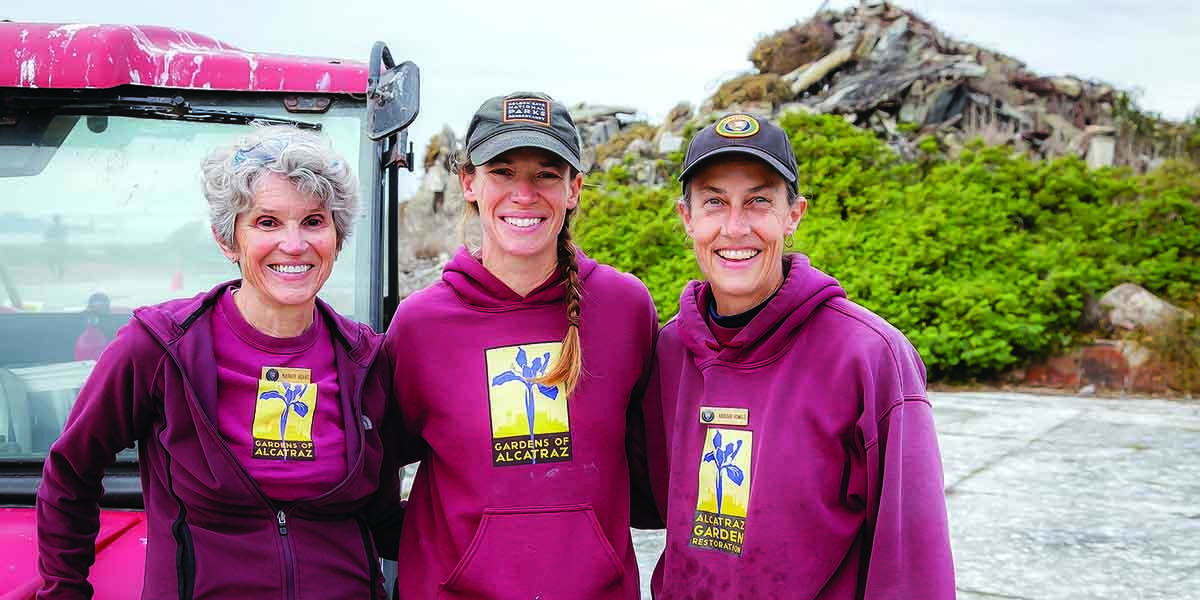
724,493
530,424
283,415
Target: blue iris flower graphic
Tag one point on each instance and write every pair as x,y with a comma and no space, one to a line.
291,399
525,373
722,459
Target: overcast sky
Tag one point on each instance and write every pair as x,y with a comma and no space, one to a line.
650,54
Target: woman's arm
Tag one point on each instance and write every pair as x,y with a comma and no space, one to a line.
386,512
113,410
643,513
909,555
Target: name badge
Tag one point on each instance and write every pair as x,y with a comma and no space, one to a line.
717,415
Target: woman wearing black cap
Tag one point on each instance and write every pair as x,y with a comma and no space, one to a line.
517,369
791,439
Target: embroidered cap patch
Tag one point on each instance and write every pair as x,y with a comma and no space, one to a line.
526,110
737,126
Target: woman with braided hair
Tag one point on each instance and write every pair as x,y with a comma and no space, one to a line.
519,370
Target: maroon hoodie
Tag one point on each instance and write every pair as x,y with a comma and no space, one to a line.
211,533
798,459
522,492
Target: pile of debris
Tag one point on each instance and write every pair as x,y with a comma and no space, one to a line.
886,69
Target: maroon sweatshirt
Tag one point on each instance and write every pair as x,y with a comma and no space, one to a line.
522,492
797,459
211,532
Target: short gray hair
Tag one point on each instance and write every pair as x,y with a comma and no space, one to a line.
231,174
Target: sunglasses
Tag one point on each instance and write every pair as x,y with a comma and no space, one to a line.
267,151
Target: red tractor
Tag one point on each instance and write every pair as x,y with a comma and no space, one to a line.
102,130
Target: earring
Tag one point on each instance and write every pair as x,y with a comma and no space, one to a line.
787,241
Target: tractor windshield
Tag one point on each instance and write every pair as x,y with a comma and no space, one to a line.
102,213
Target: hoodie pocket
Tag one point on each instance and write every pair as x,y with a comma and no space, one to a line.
546,552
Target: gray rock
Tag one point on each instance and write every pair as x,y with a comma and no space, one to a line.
639,148
891,37
1101,151
646,173
669,142
1130,306
965,69
599,132
845,28
911,110
588,157
1068,86
584,113
834,101
945,101
678,117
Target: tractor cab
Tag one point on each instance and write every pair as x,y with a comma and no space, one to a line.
102,131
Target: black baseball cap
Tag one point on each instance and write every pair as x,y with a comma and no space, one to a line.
522,119
745,134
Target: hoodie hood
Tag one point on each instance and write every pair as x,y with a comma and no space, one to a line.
804,289
479,288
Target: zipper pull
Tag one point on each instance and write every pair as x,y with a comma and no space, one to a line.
282,518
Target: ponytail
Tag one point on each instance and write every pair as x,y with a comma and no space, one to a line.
569,366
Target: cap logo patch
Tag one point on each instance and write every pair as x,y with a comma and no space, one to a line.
526,110
737,126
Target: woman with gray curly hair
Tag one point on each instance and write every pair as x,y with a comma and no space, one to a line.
258,411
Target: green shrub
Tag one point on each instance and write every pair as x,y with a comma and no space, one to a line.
984,261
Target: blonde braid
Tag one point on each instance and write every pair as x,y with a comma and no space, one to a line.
569,366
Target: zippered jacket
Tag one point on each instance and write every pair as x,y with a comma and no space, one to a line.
212,533
522,491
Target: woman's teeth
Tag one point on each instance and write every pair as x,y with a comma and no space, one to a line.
737,254
291,268
523,222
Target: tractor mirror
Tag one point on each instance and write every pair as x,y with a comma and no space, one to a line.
393,95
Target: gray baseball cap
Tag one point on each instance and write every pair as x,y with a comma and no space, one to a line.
519,120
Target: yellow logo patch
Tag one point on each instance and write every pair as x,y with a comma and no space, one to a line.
530,423
283,415
724,493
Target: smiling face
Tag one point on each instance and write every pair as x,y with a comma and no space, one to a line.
523,196
286,245
738,218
